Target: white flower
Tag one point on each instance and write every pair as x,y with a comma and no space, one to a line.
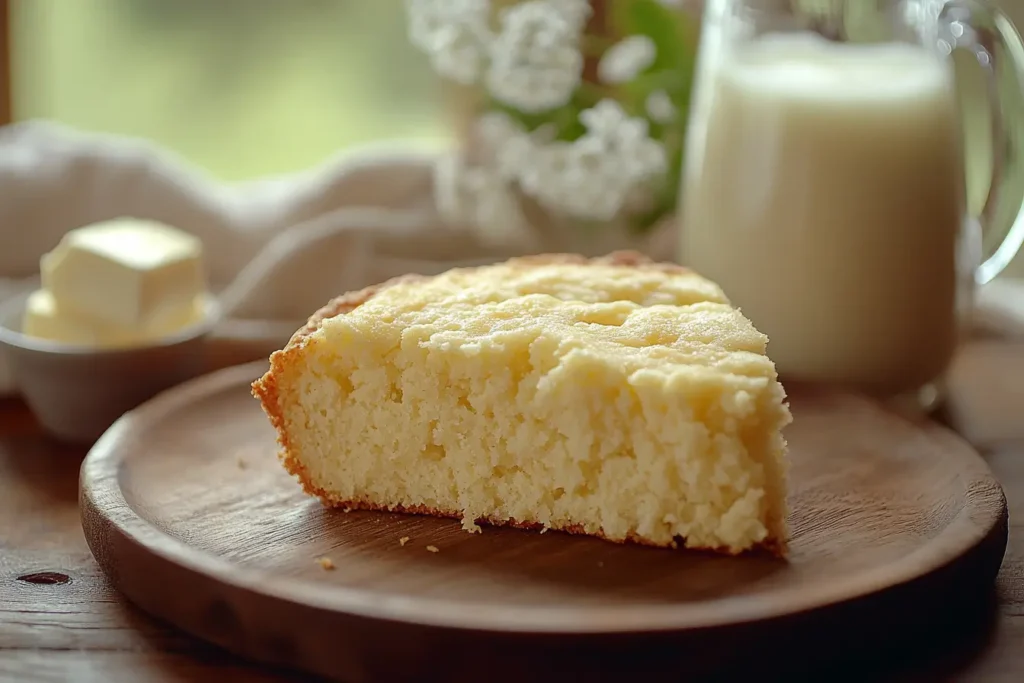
513,156
660,108
453,34
428,19
535,59
624,137
604,173
607,118
577,180
626,59
478,198
503,142
458,56
506,146
497,215
495,129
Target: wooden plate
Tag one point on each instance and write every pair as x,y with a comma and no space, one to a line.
188,511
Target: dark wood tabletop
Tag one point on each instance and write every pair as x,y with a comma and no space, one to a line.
61,621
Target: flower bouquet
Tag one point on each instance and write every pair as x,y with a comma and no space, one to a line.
577,116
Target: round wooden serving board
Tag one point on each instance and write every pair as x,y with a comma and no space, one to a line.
186,508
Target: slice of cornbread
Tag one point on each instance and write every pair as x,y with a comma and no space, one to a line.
614,397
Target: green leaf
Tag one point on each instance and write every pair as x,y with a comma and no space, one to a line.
675,35
565,119
661,24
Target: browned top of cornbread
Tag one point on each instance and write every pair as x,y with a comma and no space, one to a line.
351,300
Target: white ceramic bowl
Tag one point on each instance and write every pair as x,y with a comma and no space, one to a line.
77,392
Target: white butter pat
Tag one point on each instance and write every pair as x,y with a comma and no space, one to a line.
44,319
132,275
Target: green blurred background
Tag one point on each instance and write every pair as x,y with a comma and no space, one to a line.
242,88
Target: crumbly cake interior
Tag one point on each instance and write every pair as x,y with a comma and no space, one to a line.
624,401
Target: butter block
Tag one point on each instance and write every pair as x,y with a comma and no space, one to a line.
127,273
45,319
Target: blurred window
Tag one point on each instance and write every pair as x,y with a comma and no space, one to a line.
242,88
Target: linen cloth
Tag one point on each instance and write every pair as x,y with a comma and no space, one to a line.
276,248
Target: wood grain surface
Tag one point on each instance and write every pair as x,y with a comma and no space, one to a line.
81,629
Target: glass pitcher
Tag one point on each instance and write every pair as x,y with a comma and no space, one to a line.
824,185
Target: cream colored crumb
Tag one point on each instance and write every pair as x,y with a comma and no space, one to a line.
432,549
325,563
403,540
544,530
346,509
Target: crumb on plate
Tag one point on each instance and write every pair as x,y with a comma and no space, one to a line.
403,540
432,548
326,563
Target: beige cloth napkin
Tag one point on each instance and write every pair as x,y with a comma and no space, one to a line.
277,248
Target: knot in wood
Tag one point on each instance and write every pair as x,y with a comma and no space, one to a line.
45,578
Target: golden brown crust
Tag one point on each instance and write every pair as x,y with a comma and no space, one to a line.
346,303
352,300
266,389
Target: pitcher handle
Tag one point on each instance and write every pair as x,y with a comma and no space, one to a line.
990,36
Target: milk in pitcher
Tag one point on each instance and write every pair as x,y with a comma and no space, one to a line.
824,191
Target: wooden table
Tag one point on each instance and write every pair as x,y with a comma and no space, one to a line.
61,621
